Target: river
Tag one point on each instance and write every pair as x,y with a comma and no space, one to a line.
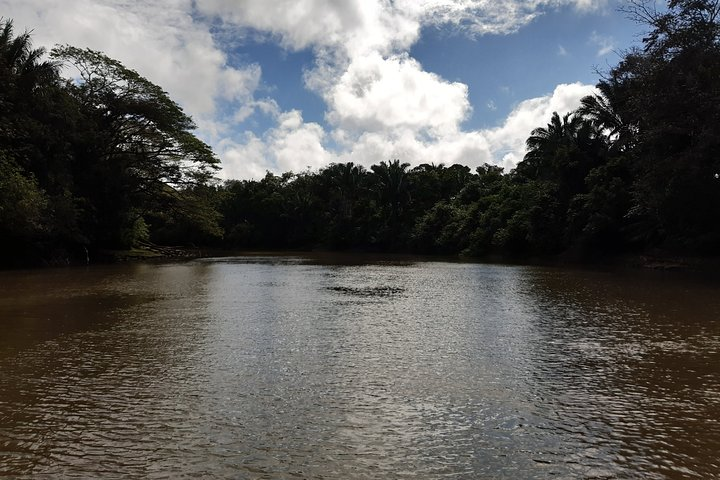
317,367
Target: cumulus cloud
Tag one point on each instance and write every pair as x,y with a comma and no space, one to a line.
293,145
380,102
355,26
378,94
468,148
297,145
378,25
481,17
158,38
243,158
508,141
503,145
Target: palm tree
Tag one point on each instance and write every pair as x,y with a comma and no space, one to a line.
21,66
24,81
346,180
430,168
393,185
602,110
563,152
544,144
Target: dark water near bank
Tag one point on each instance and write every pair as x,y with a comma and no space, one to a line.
294,368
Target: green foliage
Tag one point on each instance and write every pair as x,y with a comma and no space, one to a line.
672,91
140,142
85,164
136,233
437,230
110,160
140,124
22,202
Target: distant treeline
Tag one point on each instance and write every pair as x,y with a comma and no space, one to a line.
109,162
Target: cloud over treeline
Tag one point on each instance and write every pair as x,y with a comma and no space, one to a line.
380,102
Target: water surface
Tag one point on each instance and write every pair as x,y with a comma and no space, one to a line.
292,367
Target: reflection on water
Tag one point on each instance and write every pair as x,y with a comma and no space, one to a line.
282,367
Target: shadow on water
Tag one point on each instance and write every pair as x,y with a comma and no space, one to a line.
40,305
91,366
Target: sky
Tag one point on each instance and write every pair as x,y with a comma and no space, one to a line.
294,85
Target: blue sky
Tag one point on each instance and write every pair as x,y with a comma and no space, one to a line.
294,84
561,46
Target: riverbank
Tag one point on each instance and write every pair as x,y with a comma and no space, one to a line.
657,260
148,251
652,260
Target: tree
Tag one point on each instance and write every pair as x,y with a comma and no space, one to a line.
26,83
603,111
346,183
138,141
563,153
22,202
36,122
343,190
556,149
684,25
392,186
393,193
22,69
673,86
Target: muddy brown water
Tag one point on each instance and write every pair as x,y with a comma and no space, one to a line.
295,367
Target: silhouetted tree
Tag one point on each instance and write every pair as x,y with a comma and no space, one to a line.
139,141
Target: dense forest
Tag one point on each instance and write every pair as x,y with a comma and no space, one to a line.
108,161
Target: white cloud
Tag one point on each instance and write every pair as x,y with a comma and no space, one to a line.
359,27
481,17
468,148
266,106
508,141
504,145
604,43
292,145
377,94
381,103
158,38
295,145
356,26
244,158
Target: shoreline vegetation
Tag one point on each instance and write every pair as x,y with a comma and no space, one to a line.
107,167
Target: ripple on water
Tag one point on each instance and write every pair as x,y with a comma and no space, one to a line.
267,368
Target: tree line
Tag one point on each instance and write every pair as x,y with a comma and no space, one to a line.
107,160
